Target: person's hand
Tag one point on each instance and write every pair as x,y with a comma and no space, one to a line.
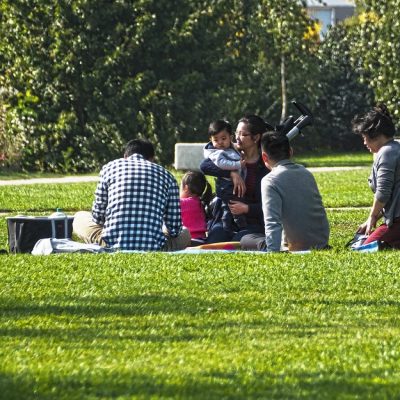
238,208
362,228
242,163
370,223
239,187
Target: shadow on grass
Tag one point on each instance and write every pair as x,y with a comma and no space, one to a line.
112,318
136,305
193,319
212,385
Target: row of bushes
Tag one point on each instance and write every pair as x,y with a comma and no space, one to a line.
80,78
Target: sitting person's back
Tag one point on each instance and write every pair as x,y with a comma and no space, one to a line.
291,202
195,195
290,194
135,201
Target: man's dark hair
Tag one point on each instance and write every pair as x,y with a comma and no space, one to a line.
139,146
275,145
374,123
219,126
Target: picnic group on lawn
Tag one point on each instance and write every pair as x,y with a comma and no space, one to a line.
263,199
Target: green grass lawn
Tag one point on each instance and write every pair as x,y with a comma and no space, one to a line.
363,158
338,189
345,188
315,159
47,197
323,325
233,326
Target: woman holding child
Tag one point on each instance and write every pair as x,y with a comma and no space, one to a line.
248,190
377,130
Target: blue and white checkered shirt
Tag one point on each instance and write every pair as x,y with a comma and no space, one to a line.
133,199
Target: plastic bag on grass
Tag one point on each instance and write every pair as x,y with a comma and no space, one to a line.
357,241
50,246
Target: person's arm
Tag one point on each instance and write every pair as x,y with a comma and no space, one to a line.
374,216
101,200
222,160
385,172
172,214
272,209
209,168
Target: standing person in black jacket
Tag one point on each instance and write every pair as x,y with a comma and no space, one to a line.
248,135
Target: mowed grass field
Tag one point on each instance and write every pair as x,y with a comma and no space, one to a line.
323,325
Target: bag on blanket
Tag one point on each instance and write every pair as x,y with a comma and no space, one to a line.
49,246
357,241
357,244
25,231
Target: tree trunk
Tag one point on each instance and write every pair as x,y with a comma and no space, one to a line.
283,88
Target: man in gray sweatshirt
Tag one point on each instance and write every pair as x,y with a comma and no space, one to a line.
291,203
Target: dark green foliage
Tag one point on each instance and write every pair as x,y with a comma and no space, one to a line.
342,94
376,50
79,78
83,77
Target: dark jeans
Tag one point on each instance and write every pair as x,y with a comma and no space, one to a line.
231,222
217,234
225,193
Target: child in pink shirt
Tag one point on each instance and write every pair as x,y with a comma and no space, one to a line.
195,194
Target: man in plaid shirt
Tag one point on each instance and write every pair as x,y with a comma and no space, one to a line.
136,205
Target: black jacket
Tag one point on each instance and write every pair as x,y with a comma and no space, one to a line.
255,215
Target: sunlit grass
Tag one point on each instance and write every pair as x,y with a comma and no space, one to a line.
338,189
235,326
323,325
334,159
345,188
320,159
47,197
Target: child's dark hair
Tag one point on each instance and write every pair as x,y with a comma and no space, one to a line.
374,123
198,186
219,126
275,145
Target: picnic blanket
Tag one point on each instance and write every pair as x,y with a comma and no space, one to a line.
55,246
218,246
52,246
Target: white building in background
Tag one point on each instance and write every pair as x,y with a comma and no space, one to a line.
330,12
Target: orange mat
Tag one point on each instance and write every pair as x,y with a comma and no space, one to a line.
218,246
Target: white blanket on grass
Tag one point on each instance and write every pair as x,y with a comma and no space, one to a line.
54,246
